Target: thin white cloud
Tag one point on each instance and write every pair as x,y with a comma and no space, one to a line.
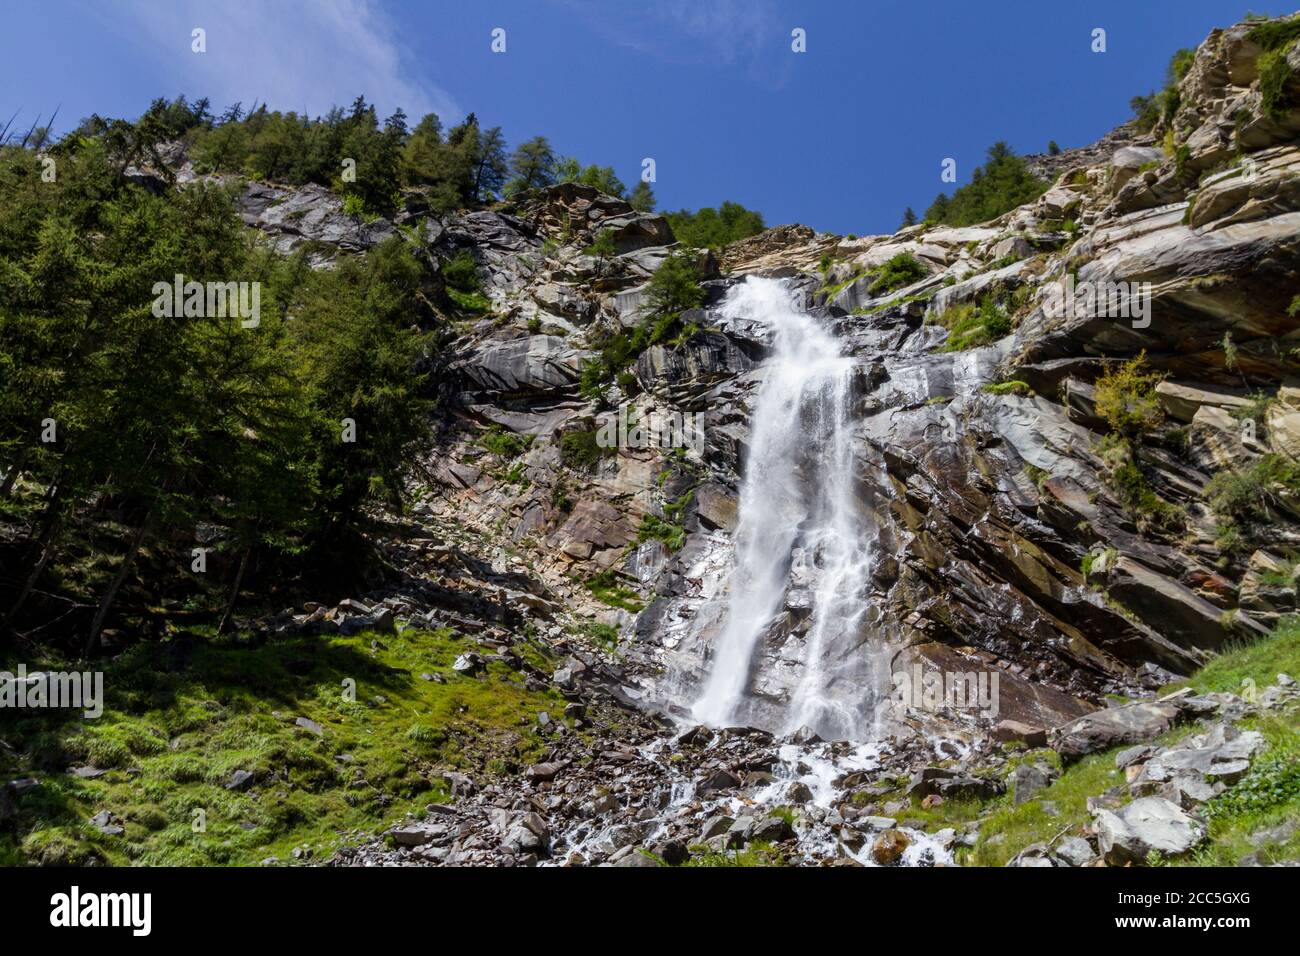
303,55
726,32
733,29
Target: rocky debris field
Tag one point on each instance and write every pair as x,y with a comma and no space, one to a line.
639,795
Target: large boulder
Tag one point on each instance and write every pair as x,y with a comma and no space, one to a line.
1148,824
593,526
1103,729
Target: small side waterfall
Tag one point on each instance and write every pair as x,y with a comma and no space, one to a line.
803,555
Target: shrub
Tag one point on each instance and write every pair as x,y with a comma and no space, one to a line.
971,325
675,286
1245,495
1274,72
1275,37
560,497
1130,485
505,444
581,451
902,270
1157,109
460,276
1126,398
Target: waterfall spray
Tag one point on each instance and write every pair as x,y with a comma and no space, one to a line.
799,513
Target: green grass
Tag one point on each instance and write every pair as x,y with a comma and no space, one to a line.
889,304
1259,661
756,854
469,301
672,535
829,292
606,588
181,717
503,443
1014,387
598,633
1010,828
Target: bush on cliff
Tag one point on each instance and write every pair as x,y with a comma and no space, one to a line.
1126,398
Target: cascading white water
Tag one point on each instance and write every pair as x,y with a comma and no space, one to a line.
799,521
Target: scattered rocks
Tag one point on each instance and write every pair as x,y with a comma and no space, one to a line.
240,780
468,664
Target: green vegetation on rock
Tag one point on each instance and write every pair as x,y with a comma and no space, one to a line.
1000,185
973,324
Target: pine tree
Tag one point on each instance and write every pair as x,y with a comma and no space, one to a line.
533,164
490,165
642,197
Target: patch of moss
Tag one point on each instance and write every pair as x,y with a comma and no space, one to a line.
1013,387
606,588
182,716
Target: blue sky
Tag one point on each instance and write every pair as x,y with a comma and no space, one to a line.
841,137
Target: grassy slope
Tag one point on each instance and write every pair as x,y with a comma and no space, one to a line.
181,717
1268,796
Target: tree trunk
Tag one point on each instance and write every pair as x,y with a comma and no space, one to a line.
106,602
50,524
234,592
12,475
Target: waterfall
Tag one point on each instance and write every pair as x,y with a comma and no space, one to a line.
801,541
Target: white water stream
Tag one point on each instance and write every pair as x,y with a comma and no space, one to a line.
801,538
